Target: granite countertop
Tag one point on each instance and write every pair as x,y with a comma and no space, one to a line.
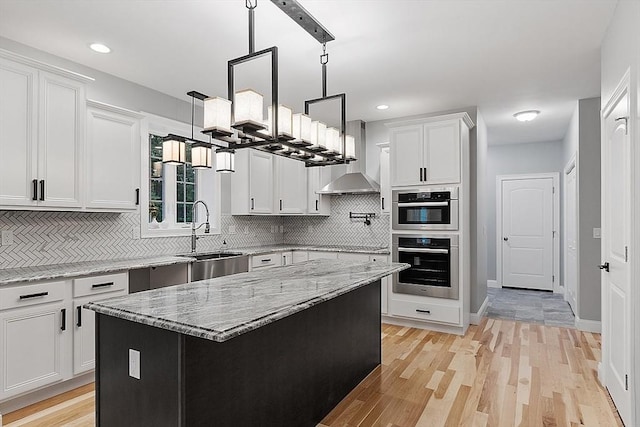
225,307
11,276
47,272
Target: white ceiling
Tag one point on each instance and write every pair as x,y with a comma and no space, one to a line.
416,56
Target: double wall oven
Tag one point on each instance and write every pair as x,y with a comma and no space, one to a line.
423,224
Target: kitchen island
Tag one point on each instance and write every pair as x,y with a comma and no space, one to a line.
271,348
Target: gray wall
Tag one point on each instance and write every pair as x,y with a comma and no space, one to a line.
377,132
511,159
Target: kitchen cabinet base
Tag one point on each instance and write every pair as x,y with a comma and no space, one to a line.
290,372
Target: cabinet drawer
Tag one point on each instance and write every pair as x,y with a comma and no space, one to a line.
300,256
323,255
425,311
379,258
96,285
347,256
23,296
266,260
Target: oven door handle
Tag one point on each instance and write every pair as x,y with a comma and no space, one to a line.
425,204
424,250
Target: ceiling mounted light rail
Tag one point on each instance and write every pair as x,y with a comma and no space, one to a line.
239,122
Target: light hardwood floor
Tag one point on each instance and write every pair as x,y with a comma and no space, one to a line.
501,373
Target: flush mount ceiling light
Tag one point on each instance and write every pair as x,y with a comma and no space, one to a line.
382,107
526,116
100,48
239,120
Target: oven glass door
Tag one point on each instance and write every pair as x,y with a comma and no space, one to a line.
424,213
430,261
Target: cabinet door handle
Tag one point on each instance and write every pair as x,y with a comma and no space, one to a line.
280,204
39,294
425,174
423,311
421,175
101,285
137,196
252,203
79,323
63,323
383,203
317,205
42,189
35,189
266,260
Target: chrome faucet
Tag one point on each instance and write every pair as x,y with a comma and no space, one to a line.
207,227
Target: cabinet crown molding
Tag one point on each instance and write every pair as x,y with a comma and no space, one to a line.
114,109
464,116
7,54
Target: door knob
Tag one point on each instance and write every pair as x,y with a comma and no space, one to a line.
506,239
604,267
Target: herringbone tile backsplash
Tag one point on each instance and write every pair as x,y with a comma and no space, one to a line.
42,238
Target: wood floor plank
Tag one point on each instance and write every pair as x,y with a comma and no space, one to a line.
501,373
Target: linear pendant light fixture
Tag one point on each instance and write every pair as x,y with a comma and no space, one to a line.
239,121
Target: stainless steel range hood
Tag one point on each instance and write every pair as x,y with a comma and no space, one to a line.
351,183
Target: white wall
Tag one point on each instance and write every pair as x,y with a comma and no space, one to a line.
510,159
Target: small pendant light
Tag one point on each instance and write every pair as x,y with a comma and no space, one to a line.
173,150
201,155
225,160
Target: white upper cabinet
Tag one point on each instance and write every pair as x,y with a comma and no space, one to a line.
252,183
385,179
41,135
113,158
428,152
318,177
18,133
291,186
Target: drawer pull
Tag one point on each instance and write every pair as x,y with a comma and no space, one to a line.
266,260
63,325
39,294
79,323
423,311
35,189
101,285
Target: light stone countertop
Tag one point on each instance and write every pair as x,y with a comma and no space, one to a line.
222,308
25,275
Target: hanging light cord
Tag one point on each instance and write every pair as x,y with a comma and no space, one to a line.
192,113
324,59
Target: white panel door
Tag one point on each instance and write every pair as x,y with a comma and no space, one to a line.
18,134
33,348
260,182
571,243
292,186
616,337
442,152
406,155
527,231
385,181
61,118
113,158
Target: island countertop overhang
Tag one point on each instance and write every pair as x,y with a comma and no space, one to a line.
222,308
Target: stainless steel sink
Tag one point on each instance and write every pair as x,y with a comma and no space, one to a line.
217,264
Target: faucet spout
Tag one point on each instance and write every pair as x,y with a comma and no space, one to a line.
207,227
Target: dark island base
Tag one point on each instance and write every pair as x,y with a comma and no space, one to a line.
291,372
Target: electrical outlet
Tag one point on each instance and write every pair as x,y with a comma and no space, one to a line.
273,228
282,228
135,232
232,229
310,229
596,233
7,238
246,229
134,363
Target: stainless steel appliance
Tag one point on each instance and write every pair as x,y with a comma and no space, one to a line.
217,264
425,209
434,261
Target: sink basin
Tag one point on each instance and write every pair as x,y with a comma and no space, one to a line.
212,255
217,264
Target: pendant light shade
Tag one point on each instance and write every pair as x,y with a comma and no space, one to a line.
318,134
225,160
173,150
248,109
333,140
350,147
217,115
302,128
285,121
200,155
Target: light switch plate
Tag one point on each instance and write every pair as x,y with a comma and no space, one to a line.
134,363
7,238
232,229
596,233
282,228
246,229
135,232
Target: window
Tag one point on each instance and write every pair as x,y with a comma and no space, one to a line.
172,189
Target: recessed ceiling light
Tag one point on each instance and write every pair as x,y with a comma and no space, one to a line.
100,48
382,107
526,116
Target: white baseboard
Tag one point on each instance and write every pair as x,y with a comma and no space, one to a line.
601,374
456,330
493,284
588,325
475,318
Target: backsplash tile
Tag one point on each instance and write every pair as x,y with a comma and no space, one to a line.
42,238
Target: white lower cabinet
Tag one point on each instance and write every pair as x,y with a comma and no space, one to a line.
266,261
322,255
287,258
425,308
300,256
35,337
45,334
